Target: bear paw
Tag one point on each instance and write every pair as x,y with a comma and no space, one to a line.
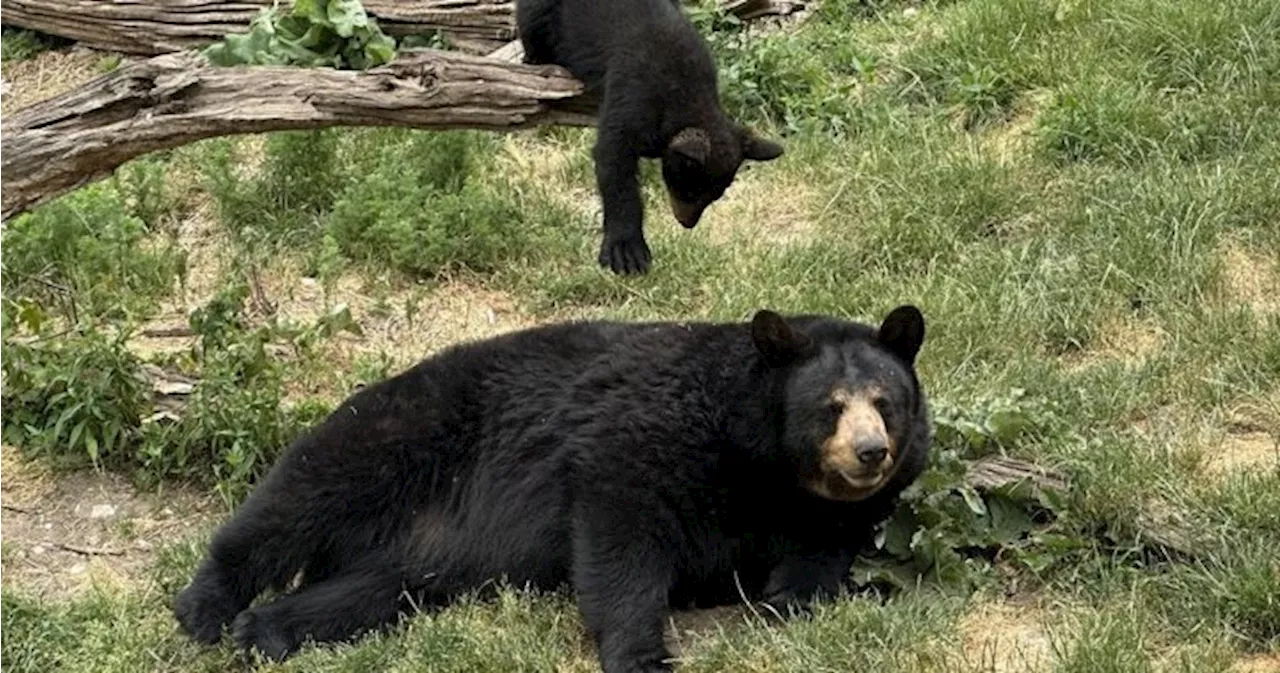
625,255
254,631
202,612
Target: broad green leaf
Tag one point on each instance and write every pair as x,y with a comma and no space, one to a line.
236,50
30,313
1009,520
76,432
346,15
1005,425
380,50
867,572
294,28
314,11
972,499
898,532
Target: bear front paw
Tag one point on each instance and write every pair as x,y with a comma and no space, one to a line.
202,612
254,631
625,255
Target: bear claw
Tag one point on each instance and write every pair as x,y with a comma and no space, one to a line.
254,633
201,617
625,256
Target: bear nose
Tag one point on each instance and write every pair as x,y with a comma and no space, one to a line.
872,452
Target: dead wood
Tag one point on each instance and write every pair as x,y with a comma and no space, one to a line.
993,472
89,551
171,100
151,27
1157,524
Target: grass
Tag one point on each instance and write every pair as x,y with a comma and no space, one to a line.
1080,195
21,45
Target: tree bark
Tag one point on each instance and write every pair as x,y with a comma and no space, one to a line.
150,27
992,472
171,100
1158,524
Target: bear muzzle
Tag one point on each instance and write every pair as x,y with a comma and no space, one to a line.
858,458
687,214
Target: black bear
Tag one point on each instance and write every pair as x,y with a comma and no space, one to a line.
644,465
656,83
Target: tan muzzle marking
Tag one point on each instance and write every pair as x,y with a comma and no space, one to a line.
844,476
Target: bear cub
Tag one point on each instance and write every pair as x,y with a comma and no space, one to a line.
644,465
656,83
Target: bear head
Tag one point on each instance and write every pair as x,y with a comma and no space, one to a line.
699,164
854,412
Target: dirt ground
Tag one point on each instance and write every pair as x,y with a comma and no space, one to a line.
63,533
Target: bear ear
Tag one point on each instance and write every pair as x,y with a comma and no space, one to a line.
756,148
777,342
902,332
692,143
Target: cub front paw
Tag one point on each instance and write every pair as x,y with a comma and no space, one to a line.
625,256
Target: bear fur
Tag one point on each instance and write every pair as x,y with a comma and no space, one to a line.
656,83
645,465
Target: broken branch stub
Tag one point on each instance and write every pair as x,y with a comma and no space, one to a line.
171,100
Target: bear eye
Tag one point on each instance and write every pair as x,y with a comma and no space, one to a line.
835,407
882,405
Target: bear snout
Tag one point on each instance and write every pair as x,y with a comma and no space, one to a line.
687,214
872,451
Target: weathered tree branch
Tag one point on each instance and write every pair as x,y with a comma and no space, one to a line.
171,100
150,27
81,136
1158,525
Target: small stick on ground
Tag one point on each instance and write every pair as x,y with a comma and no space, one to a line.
89,551
167,332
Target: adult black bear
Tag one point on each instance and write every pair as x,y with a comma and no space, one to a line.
656,82
643,464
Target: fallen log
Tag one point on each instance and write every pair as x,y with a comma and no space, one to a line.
1158,524
150,27
171,100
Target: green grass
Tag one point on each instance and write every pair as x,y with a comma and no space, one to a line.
17,44
1080,194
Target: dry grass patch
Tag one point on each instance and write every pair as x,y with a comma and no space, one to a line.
1003,637
1257,663
685,627
549,164
1251,441
1244,452
1251,278
22,482
1130,340
1009,143
208,252
763,206
400,322
1126,339
46,75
